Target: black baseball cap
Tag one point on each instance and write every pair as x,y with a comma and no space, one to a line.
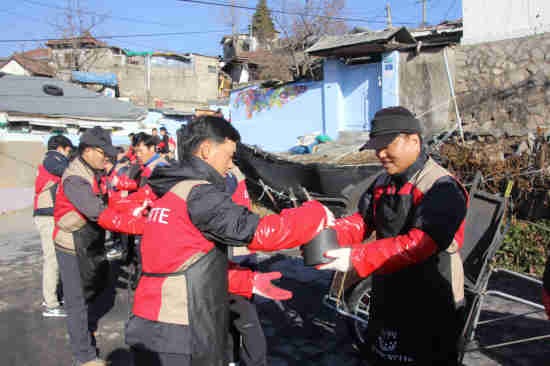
99,137
387,124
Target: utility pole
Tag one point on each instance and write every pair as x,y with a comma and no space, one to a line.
148,80
388,15
233,18
423,11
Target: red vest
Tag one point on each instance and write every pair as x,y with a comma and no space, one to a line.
416,188
168,225
43,202
66,217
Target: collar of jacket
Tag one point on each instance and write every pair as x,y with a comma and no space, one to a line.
419,163
164,178
153,158
57,157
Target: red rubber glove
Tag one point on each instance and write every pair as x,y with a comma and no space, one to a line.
263,286
123,223
240,280
291,228
350,229
123,183
129,207
392,254
546,302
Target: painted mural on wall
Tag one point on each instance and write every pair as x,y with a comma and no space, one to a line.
257,99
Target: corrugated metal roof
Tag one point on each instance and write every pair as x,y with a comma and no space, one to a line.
326,43
25,95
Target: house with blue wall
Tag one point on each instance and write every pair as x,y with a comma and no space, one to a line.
362,73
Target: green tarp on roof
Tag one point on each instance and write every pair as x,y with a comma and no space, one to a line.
138,53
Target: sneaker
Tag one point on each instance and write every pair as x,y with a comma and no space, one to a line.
94,362
114,254
58,312
61,303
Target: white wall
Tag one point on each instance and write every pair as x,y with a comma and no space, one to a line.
13,68
493,20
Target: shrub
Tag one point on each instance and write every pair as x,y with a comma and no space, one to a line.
525,247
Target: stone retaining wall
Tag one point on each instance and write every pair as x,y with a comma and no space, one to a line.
504,87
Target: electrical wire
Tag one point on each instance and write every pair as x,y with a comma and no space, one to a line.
275,11
117,36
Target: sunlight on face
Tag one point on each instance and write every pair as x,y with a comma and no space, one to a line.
219,155
95,157
400,154
144,153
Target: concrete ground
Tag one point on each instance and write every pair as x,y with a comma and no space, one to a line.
301,332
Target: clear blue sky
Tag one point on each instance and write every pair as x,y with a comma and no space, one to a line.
26,19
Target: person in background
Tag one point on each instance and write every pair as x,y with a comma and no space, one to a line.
164,145
130,154
45,186
115,167
156,137
138,191
81,218
246,329
147,157
417,209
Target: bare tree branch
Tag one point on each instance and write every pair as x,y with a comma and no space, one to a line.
73,26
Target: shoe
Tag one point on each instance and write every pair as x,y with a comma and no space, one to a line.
114,254
57,312
94,362
61,303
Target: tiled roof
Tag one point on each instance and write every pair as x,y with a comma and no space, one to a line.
35,67
38,54
86,38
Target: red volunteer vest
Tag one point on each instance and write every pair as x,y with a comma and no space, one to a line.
164,299
44,181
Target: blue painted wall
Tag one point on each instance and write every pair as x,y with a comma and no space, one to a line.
346,100
275,127
390,79
354,94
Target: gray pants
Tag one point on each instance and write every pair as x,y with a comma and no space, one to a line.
50,271
78,318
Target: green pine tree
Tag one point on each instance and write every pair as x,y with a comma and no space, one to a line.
262,24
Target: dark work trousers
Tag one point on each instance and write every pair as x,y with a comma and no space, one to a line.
79,323
134,258
148,358
246,325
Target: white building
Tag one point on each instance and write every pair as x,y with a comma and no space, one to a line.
494,20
